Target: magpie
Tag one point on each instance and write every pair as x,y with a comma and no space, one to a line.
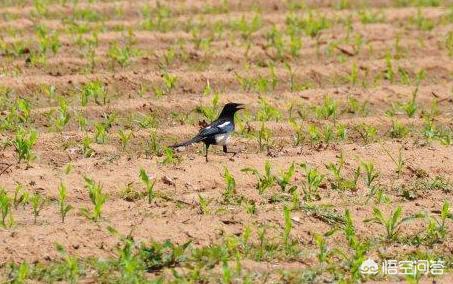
218,132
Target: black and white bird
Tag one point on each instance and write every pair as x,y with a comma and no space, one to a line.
218,132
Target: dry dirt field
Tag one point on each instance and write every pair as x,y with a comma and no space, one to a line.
344,148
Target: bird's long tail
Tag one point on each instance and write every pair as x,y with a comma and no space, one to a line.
186,143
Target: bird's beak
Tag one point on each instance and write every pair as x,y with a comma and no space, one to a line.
240,106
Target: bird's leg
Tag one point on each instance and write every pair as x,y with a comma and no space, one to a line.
206,154
225,150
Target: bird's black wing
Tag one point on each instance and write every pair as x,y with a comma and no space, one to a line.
220,126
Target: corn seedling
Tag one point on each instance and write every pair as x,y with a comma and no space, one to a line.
230,189
62,205
288,225
150,192
153,147
70,264
328,109
314,134
392,224
298,135
264,138
37,202
22,109
63,115
125,137
97,198
21,196
341,132
5,209
23,144
356,107
358,247
265,180
121,54
19,274
339,181
96,90
398,130
449,43
371,173
285,178
370,17
421,22
267,112
437,230
169,83
203,203
312,183
389,73
87,151
169,157
367,132
210,112
398,161
146,121
100,133
323,253
410,107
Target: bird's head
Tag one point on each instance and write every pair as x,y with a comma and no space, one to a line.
231,109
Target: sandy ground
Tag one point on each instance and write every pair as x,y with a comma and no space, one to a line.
175,213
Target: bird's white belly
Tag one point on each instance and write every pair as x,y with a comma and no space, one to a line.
222,139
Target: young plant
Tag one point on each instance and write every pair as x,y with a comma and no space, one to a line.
168,85
264,138
298,132
87,150
23,144
125,137
358,247
285,178
62,205
398,161
312,183
121,54
93,89
37,202
204,204
367,132
150,192
63,115
437,228
153,147
5,208
392,224
288,225
370,171
267,112
230,190
264,181
398,130
169,157
100,133
410,107
97,198
70,265
341,182
328,109
21,196
210,112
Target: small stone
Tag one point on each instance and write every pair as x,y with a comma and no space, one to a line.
167,180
